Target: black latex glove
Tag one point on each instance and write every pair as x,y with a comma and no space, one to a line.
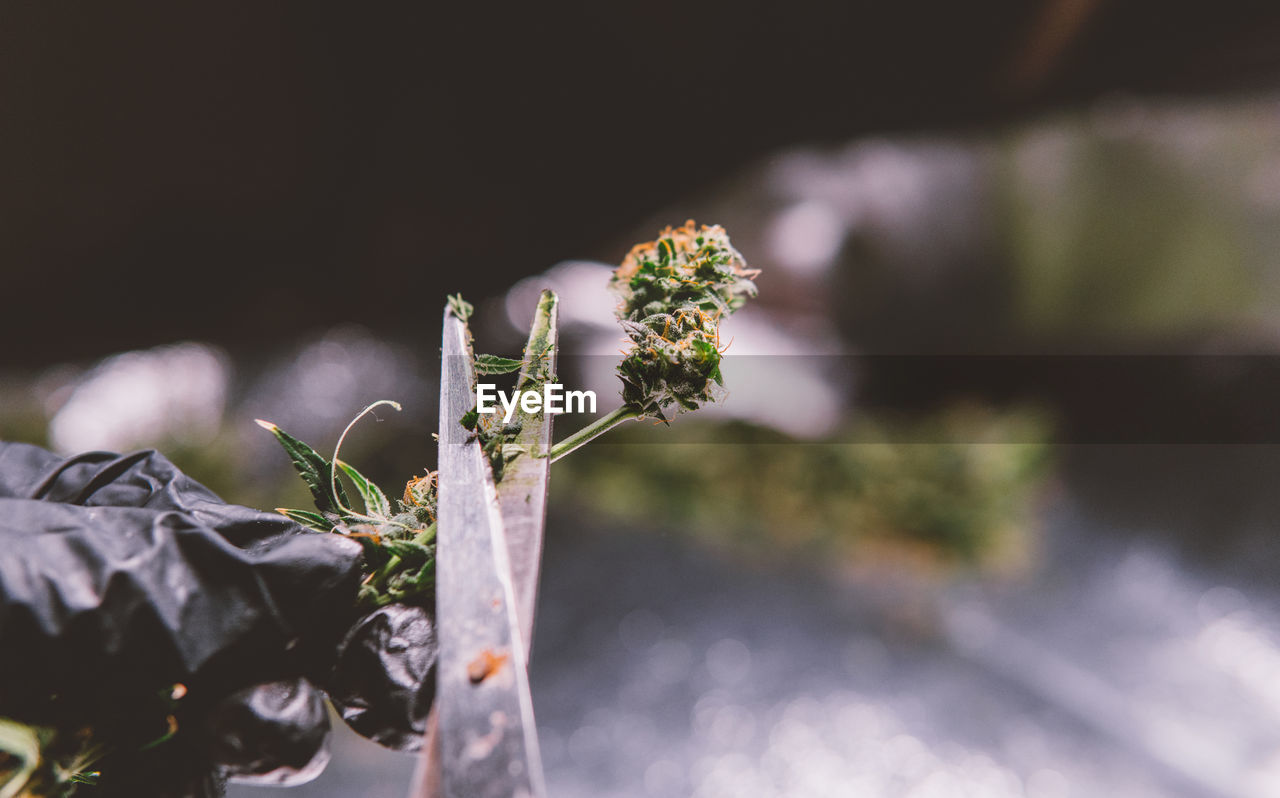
121,577
385,679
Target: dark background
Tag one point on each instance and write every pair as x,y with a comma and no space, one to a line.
238,172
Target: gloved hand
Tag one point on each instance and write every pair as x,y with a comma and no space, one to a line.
135,603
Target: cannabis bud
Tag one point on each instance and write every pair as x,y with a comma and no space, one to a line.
674,292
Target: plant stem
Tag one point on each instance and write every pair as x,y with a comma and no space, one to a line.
592,431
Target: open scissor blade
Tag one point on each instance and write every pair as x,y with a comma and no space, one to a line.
486,737
522,493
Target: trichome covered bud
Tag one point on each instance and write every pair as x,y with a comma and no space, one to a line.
674,292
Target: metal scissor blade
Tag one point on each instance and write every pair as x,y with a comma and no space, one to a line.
488,744
522,494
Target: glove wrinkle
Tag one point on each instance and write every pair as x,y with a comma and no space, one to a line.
30,472
112,473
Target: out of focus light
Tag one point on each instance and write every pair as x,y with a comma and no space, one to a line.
729,661
806,238
1242,647
836,747
640,629
172,394
892,190
583,288
670,661
664,778
316,389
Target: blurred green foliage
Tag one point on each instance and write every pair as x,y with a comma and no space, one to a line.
1142,221
956,488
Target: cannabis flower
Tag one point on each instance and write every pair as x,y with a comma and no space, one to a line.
674,292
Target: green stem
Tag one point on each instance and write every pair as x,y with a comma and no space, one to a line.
593,430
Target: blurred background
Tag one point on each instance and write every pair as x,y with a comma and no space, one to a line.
988,508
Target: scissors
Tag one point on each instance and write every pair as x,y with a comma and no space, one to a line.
482,741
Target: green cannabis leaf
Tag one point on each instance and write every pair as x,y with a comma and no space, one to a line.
375,501
487,365
307,518
312,467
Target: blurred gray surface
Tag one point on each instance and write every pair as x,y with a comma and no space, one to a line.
662,670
